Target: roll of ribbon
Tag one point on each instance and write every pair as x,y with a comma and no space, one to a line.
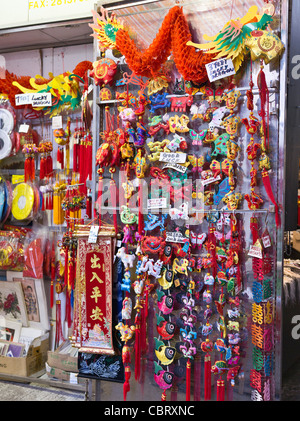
5,144
23,201
7,120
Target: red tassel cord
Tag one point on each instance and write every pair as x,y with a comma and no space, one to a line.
220,390
137,346
99,198
268,188
197,378
188,380
53,270
207,377
264,100
126,385
141,217
59,336
113,194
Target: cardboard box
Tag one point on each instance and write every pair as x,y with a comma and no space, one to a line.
59,374
33,362
62,361
296,240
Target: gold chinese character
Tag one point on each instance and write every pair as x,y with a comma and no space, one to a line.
95,276
97,314
94,262
268,313
96,294
257,313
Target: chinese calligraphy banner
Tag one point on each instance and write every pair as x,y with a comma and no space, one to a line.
93,296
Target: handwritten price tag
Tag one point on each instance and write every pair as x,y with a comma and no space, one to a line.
93,234
219,69
159,202
176,167
175,237
172,158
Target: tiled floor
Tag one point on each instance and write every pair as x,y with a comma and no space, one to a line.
10,391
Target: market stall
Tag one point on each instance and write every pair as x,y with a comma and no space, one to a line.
159,179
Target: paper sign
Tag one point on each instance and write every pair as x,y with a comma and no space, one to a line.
172,158
159,202
176,167
43,99
93,234
219,69
210,180
256,250
175,237
266,239
23,128
57,122
23,99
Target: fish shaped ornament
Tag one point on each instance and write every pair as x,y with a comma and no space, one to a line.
164,353
162,377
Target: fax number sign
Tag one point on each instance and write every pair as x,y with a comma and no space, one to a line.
219,69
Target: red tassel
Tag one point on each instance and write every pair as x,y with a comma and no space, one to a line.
143,330
58,331
113,194
99,199
188,381
88,207
66,266
268,188
49,166
126,385
141,219
27,169
197,378
75,157
42,168
137,347
220,390
207,377
32,169
68,316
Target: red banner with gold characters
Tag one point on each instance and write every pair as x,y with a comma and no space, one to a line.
93,296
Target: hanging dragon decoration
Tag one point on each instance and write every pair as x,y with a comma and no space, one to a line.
234,41
64,88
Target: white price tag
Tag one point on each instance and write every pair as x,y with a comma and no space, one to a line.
57,122
256,250
175,237
93,234
219,69
176,167
159,202
172,158
23,128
